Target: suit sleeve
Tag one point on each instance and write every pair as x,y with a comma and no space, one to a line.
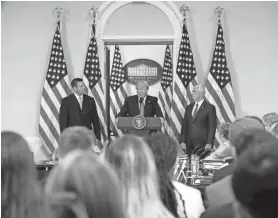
124,110
157,109
212,126
63,116
184,129
95,120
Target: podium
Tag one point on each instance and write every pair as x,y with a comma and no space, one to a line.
126,124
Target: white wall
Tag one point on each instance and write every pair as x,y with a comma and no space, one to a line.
251,35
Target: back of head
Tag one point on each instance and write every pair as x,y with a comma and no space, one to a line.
16,156
76,137
223,129
18,178
132,160
134,163
242,124
270,118
255,180
165,150
82,185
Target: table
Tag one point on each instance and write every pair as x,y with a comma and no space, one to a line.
43,169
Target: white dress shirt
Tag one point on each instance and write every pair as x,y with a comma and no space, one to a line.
199,105
78,99
144,100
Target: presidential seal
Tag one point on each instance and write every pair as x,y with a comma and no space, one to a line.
139,122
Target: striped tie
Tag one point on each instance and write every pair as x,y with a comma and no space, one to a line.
141,106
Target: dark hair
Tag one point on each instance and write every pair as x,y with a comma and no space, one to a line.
255,179
21,193
75,81
241,124
246,139
255,118
76,137
165,150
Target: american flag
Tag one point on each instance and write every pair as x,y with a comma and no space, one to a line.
92,79
118,93
165,93
184,83
56,87
219,90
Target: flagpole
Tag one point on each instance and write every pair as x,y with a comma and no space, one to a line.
93,13
107,66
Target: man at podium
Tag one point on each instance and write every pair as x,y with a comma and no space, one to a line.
141,104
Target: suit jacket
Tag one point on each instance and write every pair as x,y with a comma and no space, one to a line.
72,115
220,193
131,107
223,172
231,210
201,130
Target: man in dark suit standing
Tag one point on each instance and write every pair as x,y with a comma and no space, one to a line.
79,109
199,124
141,103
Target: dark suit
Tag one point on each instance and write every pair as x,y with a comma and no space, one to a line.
131,107
72,115
201,130
220,193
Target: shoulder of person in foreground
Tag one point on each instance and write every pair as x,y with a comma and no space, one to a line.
192,199
224,211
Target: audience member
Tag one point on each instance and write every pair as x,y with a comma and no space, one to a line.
220,192
254,181
134,163
183,201
225,149
76,137
21,194
83,186
235,129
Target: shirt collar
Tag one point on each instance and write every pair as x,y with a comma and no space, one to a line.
199,103
144,99
77,96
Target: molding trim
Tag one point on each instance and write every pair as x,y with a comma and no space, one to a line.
36,140
108,8
138,40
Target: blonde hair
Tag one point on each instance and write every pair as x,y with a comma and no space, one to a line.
134,163
83,186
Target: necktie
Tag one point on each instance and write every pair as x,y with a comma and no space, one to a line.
195,111
141,106
80,101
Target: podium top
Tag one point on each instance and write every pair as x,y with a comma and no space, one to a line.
152,123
